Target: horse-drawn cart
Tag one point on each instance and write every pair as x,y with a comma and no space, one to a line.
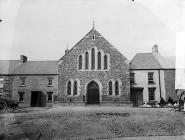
7,104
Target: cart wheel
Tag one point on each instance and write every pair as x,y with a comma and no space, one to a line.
10,109
3,107
182,96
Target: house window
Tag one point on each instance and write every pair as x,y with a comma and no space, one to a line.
86,60
21,96
75,88
99,60
80,62
105,62
151,92
50,81
69,88
1,82
116,88
150,77
110,87
23,79
132,78
93,58
50,96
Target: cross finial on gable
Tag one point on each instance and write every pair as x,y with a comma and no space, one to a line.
93,24
67,46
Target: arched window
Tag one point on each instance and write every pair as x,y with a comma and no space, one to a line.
105,62
110,87
69,88
116,88
75,88
93,58
80,62
86,60
99,60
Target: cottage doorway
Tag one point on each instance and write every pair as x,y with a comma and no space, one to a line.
38,99
93,93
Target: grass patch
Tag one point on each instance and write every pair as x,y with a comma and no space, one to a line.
102,122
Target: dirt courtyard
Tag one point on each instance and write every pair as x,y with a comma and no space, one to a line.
91,122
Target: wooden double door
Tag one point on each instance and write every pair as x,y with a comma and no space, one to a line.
38,99
93,94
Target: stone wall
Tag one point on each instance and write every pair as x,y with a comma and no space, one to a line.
118,70
33,83
7,85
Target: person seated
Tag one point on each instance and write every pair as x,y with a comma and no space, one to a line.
170,101
162,102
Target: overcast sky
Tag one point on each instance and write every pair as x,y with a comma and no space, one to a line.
41,29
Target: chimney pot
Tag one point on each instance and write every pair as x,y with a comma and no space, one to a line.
66,51
23,58
155,48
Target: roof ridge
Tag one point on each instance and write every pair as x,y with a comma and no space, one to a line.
9,60
42,61
143,53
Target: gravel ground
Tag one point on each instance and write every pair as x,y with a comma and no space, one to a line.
93,122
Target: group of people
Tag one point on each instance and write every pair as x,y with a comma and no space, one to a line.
169,101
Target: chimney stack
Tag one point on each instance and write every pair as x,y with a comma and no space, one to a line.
155,49
23,58
66,51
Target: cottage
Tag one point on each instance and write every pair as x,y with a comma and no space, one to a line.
32,83
152,77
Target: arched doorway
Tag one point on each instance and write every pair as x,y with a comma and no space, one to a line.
93,93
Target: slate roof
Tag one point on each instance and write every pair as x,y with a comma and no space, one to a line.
14,67
8,66
152,61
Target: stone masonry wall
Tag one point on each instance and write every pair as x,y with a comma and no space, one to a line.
119,69
33,83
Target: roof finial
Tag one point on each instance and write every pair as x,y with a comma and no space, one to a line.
67,46
66,51
93,24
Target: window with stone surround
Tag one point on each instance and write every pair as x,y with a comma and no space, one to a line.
69,88
110,88
151,93
50,96
99,60
50,81
94,59
132,78
116,87
1,82
105,62
21,96
23,80
72,87
150,77
86,60
75,92
80,62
